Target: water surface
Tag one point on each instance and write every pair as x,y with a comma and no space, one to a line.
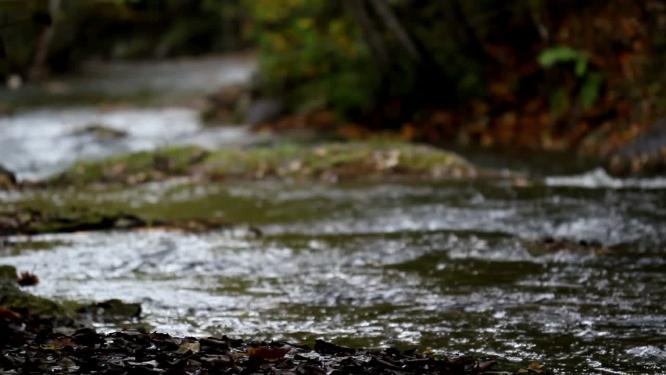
456,267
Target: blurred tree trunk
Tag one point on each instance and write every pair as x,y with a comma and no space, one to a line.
383,31
371,34
462,31
39,68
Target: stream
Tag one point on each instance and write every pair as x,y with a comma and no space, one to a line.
568,270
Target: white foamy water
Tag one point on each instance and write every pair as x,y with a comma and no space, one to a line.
599,178
38,143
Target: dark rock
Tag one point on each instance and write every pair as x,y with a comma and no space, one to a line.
7,178
112,310
264,110
323,347
645,154
100,132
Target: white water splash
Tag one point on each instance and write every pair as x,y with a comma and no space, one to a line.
599,178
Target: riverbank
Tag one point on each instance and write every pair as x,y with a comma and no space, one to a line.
38,335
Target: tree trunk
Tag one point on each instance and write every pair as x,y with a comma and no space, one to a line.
372,36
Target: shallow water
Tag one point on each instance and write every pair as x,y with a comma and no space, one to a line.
456,267
38,141
62,131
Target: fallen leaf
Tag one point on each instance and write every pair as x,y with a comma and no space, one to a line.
267,353
27,279
9,314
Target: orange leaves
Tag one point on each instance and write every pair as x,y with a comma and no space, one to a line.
9,314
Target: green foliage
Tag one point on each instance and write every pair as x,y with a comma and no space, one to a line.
312,52
589,82
116,29
550,57
590,90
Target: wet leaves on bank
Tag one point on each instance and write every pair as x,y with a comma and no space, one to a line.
134,351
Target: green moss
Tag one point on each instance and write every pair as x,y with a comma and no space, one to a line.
22,302
54,210
98,197
327,161
13,298
7,273
338,160
133,168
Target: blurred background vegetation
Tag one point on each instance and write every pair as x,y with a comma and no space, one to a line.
551,74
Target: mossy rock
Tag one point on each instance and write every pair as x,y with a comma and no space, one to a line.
331,161
338,160
13,298
133,168
42,215
24,303
7,273
100,132
112,310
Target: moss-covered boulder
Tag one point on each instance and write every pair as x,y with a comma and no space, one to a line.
18,301
133,168
43,215
330,161
91,208
338,161
94,195
14,299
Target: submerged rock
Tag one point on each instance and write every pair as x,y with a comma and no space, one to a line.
29,217
112,310
549,245
35,216
100,132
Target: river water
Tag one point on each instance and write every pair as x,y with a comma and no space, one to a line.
567,270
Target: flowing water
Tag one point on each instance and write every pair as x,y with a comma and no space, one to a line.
567,270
